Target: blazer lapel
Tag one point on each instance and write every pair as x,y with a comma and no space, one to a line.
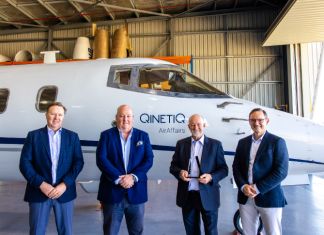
248,151
64,143
204,156
134,140
263,144
187,152
118,144
45,139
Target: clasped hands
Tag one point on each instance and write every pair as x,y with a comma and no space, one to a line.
204,179
127,181
249,191
53,192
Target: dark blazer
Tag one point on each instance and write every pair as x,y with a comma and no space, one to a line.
36,165
269,170
111,164
212,162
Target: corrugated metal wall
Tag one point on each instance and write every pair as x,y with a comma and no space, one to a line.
225,60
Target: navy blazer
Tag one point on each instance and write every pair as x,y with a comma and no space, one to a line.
269,170
212,162
36,165
111,164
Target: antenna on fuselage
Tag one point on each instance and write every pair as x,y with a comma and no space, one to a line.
49,56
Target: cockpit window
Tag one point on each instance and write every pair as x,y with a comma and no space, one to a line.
173,80
161,79
122,77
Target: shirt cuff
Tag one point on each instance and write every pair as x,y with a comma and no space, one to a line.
135,178
256,189
243,187
117,180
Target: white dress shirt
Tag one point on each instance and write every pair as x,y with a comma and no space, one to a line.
254,149
196,150
55,147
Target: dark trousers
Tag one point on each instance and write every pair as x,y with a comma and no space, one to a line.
191,216
113,216
39,214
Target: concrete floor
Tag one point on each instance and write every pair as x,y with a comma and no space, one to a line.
303,215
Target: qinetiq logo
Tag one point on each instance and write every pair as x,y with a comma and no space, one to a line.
162,118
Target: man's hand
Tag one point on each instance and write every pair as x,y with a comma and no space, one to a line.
127,181
183,175
46,188
58,191
205,178
250,191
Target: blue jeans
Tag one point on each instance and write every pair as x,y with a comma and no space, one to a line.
113,216
191,216
39,214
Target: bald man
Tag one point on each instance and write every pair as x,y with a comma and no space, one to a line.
199,195
124,156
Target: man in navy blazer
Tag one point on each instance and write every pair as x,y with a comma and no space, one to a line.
260,165
199,195
50,161
124,156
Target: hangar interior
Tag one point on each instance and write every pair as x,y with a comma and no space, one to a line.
234,46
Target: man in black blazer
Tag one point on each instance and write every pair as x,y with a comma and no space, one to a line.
201,194
51,160
260,165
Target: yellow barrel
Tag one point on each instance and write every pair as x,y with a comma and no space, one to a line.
101,45
119,44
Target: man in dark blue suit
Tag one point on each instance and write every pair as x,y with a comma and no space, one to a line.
260,165
199,195
51,160
124,156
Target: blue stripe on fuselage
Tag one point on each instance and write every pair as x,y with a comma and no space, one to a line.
91,143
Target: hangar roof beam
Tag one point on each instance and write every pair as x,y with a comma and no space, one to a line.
51,9
25,12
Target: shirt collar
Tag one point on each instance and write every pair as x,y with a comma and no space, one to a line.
201,140
120,132
49,130
259,140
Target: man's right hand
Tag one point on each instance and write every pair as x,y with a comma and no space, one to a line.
249,191
46,188
183,175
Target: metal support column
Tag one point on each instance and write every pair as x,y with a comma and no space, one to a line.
305,81
172,37
225,22
50,40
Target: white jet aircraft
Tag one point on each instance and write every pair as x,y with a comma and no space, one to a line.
163,96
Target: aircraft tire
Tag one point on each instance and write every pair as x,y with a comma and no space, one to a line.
238,224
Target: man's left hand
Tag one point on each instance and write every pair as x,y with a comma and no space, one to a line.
127,181
205,178
58,191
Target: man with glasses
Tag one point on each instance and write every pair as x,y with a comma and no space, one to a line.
198,164
259,167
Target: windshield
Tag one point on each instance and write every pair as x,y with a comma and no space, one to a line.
174,80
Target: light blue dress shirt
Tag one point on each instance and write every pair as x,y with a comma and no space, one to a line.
126,145
55,147
196,150
254,149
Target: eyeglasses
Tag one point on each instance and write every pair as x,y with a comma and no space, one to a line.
259,120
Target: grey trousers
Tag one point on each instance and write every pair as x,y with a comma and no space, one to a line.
271,218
